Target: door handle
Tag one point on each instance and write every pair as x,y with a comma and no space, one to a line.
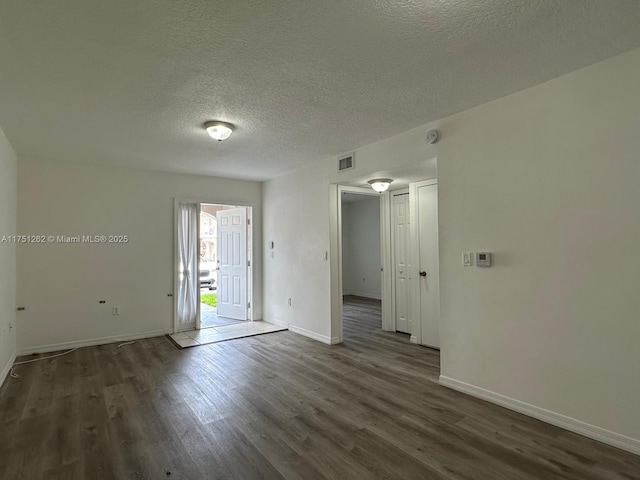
423,274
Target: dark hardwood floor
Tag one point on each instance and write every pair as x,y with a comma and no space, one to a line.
276,406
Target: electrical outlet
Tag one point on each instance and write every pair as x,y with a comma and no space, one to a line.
289,301
115,311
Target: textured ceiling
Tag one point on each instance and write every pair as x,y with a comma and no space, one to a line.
130,83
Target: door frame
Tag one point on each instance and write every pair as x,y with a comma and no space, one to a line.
250,256
414,249
335,222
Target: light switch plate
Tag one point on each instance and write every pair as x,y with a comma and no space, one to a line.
466,259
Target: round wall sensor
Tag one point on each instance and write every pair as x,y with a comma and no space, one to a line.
433,136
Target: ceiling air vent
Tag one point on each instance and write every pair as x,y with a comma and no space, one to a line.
346,163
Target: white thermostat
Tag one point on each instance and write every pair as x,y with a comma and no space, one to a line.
483,259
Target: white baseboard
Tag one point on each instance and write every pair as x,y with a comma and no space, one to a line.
314,335
275,321
7,368
596,433
91,342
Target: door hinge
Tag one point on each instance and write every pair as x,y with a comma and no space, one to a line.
248,263
248,304
248,221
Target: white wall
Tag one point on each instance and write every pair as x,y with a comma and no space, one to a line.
8,208
296,219
361,256
60,285
547,179
347,258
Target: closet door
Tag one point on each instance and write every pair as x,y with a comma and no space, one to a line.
429,271
400,206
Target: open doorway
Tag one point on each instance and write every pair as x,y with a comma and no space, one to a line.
409,258
213,265
361,257
224,267
361,250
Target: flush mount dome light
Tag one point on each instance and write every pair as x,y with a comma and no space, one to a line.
380,184
219,130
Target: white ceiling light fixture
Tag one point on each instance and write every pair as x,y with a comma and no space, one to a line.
380,184
219,130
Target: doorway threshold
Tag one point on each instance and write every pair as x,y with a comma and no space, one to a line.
194,338
209,318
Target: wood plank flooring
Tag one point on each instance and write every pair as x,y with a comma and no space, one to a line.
277,406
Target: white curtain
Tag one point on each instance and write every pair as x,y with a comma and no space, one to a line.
188,281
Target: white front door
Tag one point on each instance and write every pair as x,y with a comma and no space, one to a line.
400,206
429,272
232,263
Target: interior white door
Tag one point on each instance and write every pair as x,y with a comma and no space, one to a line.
400,206
429,276
232,263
